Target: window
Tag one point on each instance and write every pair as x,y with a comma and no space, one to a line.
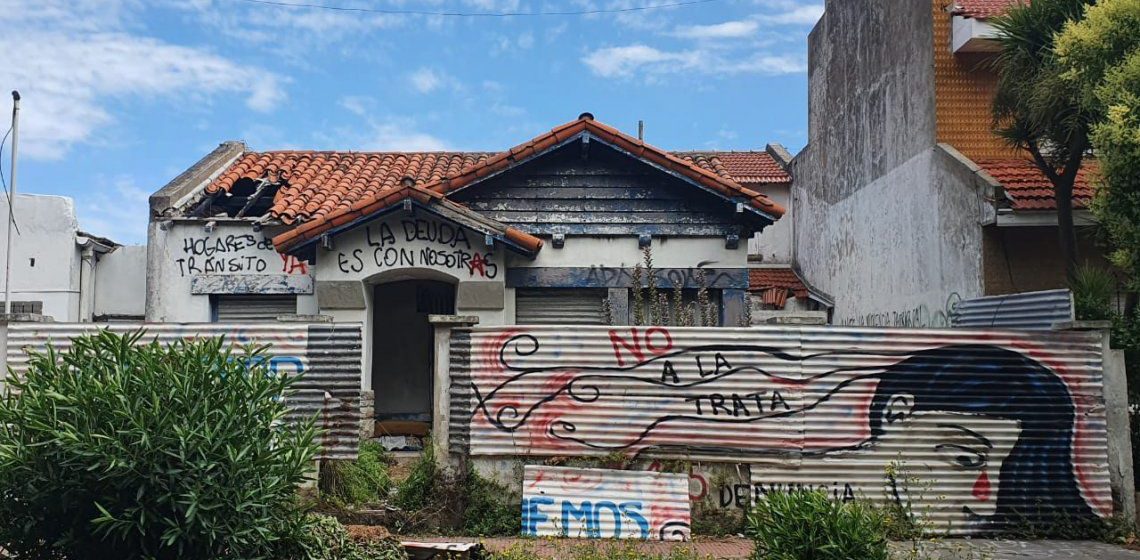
559,306
252,308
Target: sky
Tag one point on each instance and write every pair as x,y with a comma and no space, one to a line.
120,96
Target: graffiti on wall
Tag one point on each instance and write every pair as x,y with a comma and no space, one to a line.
234,254
1001,425
919,316
608,504
417,242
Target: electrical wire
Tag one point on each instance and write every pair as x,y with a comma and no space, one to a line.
394,11
7,193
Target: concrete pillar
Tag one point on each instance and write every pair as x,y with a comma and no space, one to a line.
619,305
441,383
732,302
1116,415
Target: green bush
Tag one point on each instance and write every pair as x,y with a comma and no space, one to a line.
809,525
320,537
1093,289
417,491
115,449
363,481
490,511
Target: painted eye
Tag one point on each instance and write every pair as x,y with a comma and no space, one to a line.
964,456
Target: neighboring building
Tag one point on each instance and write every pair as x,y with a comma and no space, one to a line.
58,271
915,201
544,233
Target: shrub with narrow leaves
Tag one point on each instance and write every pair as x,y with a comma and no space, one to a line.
808,525
116,449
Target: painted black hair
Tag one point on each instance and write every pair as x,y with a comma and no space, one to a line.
1037,486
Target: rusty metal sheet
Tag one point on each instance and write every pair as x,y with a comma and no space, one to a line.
989,424
601,503
328,356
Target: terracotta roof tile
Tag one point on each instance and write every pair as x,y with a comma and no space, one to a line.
775,285
742,167
317,183
320,187
983,9
760,279
1029,189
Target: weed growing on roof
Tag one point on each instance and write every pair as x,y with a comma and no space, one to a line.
362,481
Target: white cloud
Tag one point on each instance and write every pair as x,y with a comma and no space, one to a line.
628,61
726,30
790,12
358,105
116,209
613,62
68,70
394,136
425,80
292,30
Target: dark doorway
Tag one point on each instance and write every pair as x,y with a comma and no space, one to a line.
402,352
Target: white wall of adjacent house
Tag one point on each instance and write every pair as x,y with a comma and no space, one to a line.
61,273
194,264
45,260
774,244
120,284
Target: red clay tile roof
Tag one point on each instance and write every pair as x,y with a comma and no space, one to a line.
765,278
742,167
1029,189
774,285
317,183
338,194
983,9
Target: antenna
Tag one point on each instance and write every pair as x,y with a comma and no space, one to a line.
641,130
11,203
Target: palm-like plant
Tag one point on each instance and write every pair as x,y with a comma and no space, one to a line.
1035,109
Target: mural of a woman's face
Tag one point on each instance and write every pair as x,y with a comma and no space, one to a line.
953,458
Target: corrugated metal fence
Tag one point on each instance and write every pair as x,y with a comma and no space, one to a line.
1028,311
328,355
978,427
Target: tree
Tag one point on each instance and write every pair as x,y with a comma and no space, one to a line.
1101,58
1036,109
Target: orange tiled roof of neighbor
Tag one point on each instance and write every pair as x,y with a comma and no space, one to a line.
983,9
760,279
317,183
1029,189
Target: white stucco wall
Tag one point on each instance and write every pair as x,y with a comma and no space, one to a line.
120,283
45,259
774,244
893,252
185,250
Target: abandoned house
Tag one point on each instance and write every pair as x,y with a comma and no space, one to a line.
547,232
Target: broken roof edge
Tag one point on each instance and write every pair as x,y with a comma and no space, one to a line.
300,238
195,178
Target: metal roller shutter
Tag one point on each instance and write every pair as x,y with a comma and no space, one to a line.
253,308
559,306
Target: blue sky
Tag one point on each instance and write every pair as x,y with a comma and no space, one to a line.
122,95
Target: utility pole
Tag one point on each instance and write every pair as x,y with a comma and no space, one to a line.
11,203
